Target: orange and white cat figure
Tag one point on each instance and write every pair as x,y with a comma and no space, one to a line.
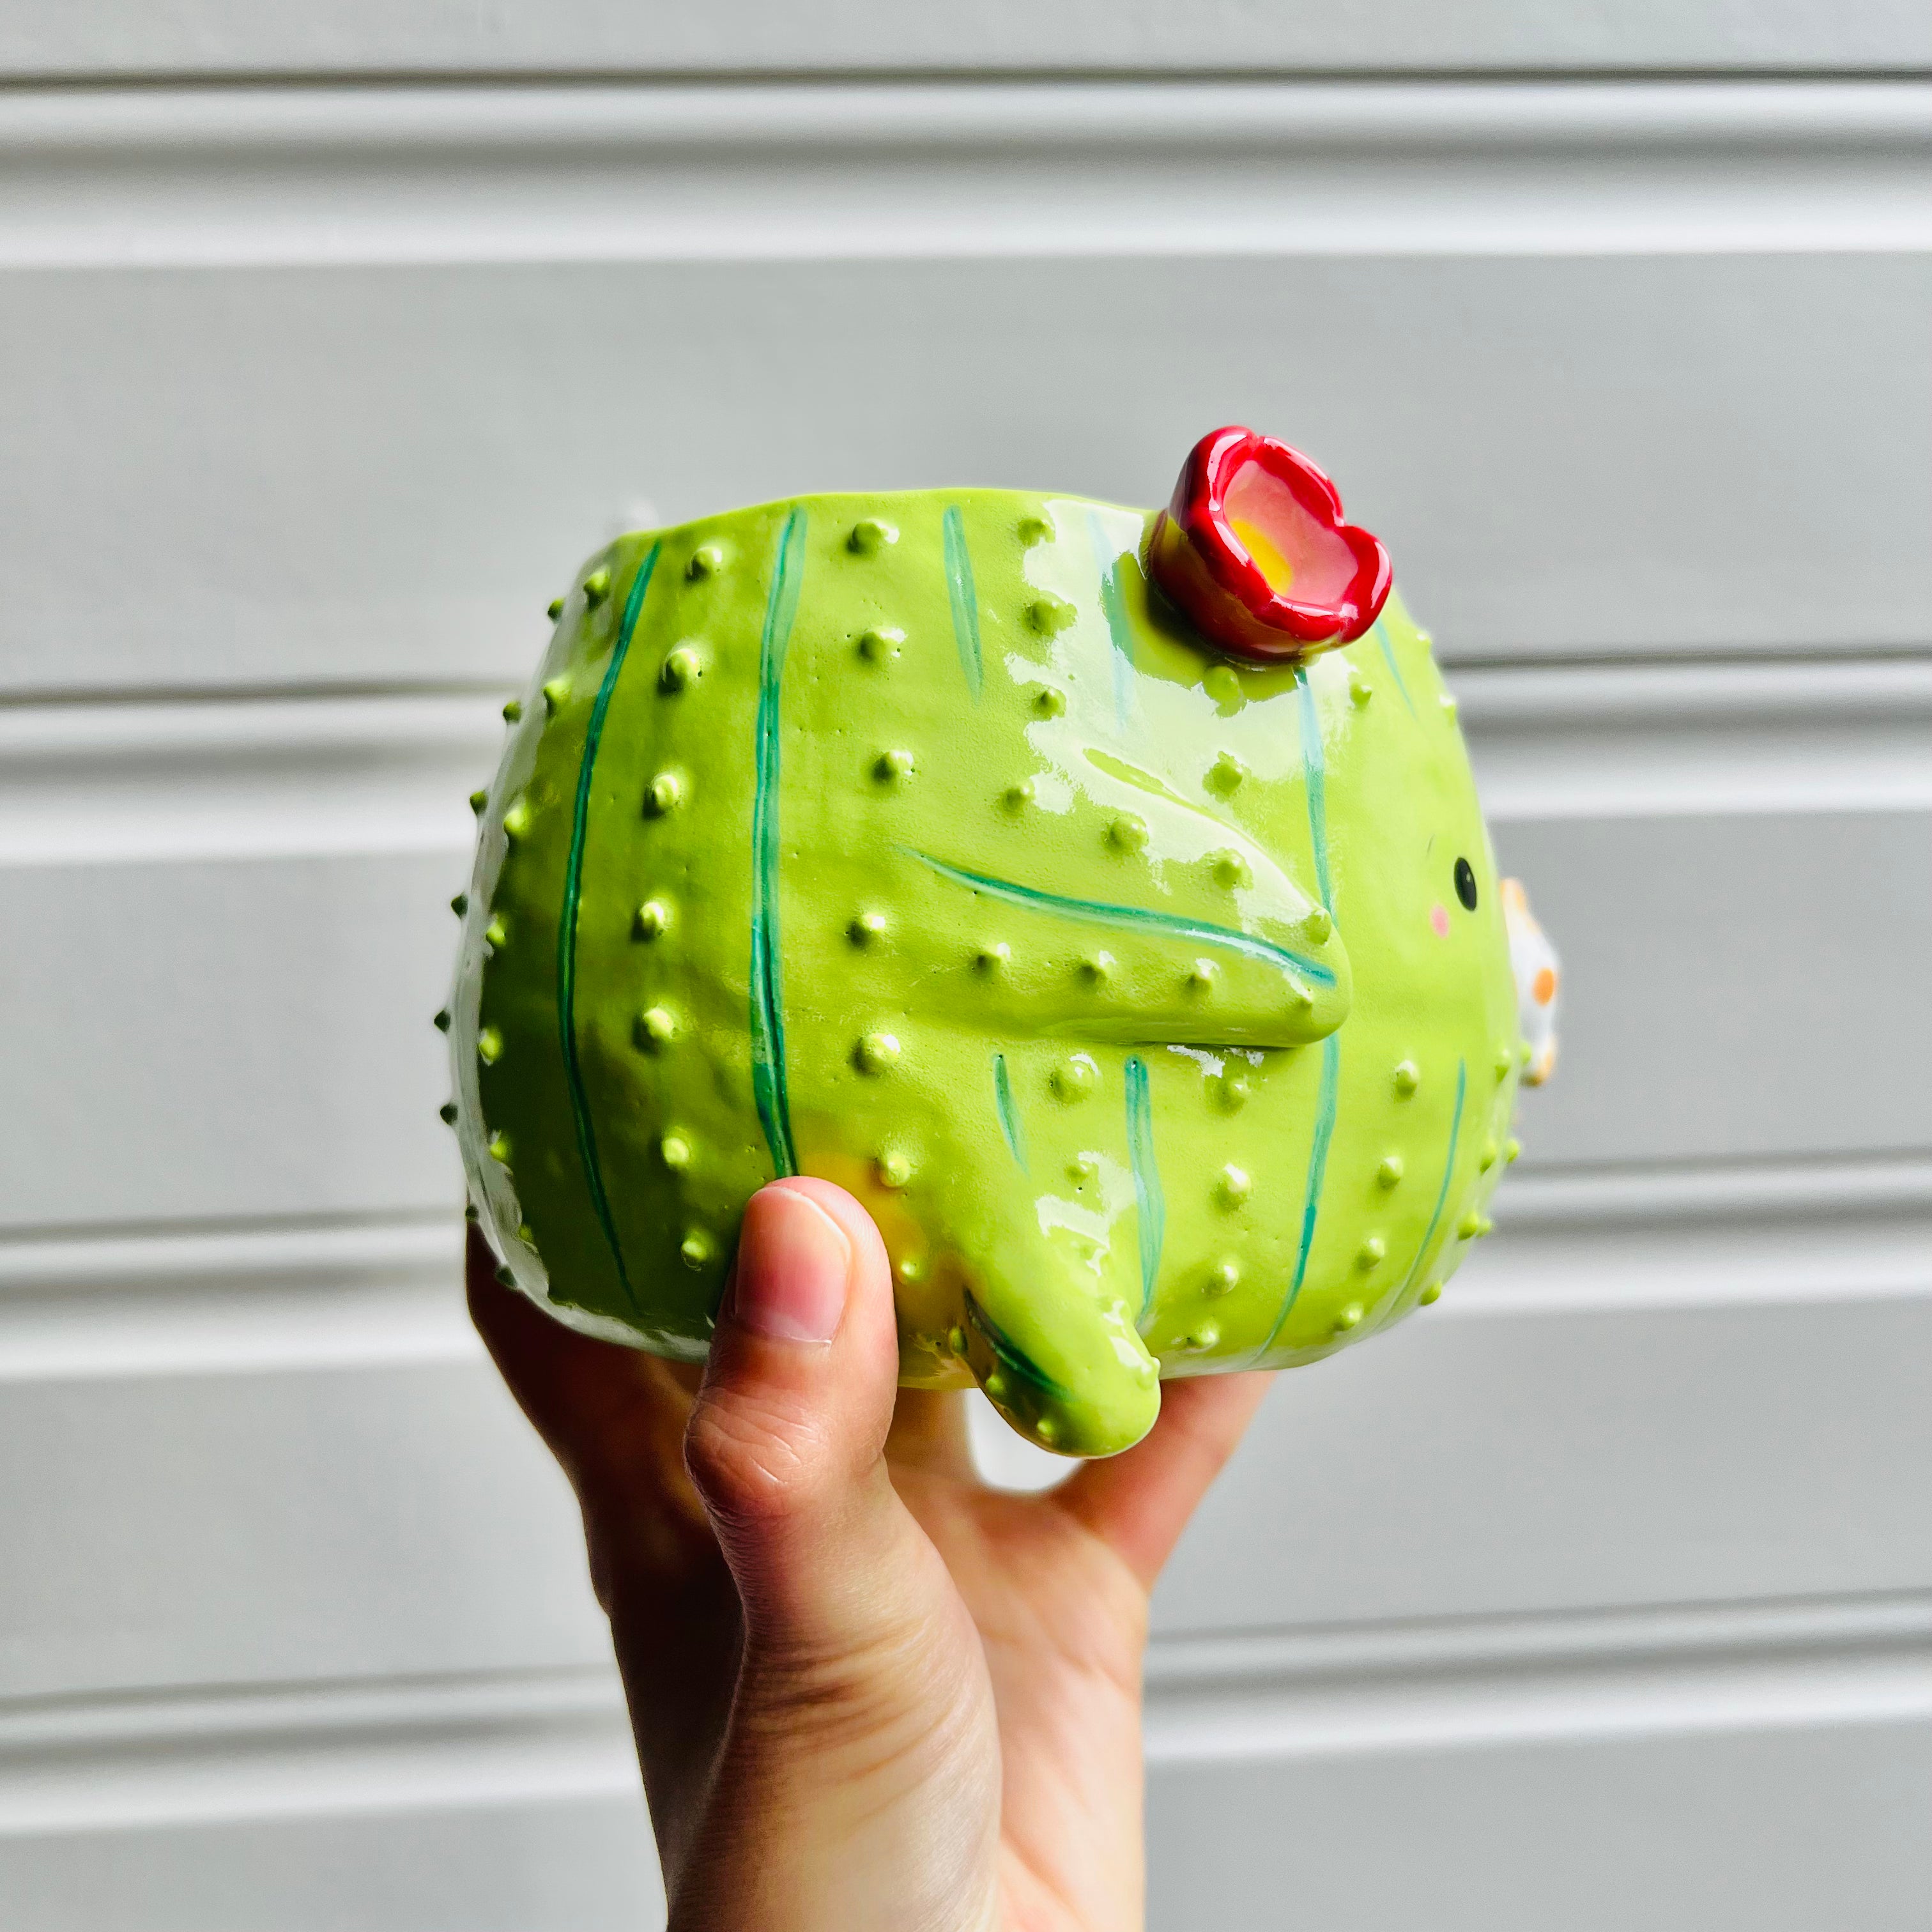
1538,975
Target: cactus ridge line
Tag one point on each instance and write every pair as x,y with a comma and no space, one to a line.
1395,669
1317,1171
1442,1193
963,597
1149,1199
769,1088
566,930
1003,1103
1315,773
1010,1358
1136,919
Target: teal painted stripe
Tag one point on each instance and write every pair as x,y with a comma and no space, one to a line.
566,927
769,1093
1395,669
1009,1356
1315,774
964,599
1118,629
1135,919
1448,1169
1148,1194
1010,1119
1317,1170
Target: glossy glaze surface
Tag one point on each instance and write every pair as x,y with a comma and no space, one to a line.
907,840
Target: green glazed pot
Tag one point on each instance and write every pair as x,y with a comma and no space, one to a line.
1157,1002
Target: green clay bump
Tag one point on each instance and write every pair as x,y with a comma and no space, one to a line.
914,840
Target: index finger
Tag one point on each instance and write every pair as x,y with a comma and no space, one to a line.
613,1417
1139,1502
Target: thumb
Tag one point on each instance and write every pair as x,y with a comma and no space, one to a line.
858,1783
787,1438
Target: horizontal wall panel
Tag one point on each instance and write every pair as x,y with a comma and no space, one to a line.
87,785
378,475
508,1802
1526,1461
289,1296
284,1525
1345,1691
230,925
179,177
229,37
1732,986
439,1741
1765,1765
1596,1457
512,1800
211,1040
1785,1831
1789,736
577,1865
1683,1236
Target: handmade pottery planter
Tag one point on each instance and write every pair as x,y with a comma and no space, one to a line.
1133,949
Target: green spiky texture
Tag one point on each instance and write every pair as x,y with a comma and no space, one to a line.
905,841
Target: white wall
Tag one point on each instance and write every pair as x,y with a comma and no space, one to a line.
1601,1595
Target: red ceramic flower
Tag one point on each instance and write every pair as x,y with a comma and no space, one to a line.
1254,550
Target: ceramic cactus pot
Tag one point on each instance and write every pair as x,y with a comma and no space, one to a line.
1131,946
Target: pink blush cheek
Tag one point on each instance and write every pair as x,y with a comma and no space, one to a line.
1438,920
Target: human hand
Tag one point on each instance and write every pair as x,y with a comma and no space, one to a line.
868,1693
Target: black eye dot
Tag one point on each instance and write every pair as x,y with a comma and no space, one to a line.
1466,884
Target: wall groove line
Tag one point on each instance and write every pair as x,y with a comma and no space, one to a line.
269,82
96,1306
236,177
264,775
1829,669
111,1761
373,38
